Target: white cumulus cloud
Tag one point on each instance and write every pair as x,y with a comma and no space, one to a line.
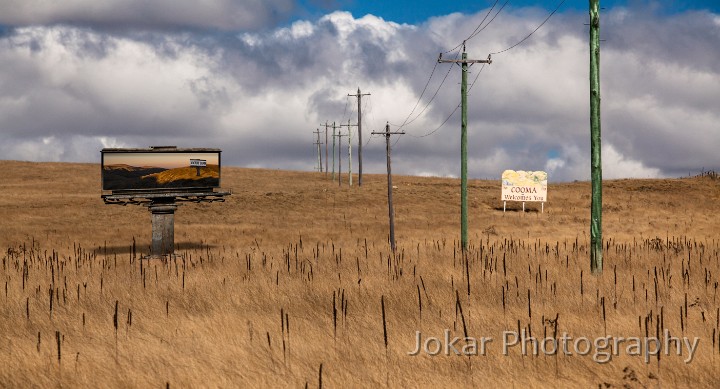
68,90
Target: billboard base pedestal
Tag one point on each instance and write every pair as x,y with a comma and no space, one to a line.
163,227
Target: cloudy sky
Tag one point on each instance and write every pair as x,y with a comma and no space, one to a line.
257,77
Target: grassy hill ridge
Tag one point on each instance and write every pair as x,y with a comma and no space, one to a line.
184,173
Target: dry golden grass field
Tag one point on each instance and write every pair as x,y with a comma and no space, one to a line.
290,283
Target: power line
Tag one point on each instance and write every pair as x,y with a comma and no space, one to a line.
371,111
347,101
432,98
453,112
534,31
476,78
406,122
397,140
440,126
369,138
369,108
474,34
421,94
352,111
478,29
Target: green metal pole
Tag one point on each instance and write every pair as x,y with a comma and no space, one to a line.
463,157
359,138
333,164
596,244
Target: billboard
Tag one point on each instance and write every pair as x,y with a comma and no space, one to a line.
524,186
160,169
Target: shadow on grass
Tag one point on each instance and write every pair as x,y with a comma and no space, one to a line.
518,210
141,249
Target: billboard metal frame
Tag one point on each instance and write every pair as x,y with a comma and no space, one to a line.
164,195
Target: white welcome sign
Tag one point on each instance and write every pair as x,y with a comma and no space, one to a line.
524,186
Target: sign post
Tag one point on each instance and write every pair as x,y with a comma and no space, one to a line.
163,228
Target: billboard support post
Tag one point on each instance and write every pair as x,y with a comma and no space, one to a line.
163,227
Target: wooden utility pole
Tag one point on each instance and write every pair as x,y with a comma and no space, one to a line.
391,212
596,245
350,150
326,147
359,126
339,136
463,141
319,154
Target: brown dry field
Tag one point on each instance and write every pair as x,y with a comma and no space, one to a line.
283,285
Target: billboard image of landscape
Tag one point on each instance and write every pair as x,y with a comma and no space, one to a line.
159,170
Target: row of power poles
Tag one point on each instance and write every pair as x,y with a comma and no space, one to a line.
336,136
386,134
336,133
